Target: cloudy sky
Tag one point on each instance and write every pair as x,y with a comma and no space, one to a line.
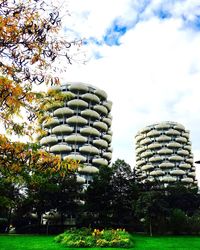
146,55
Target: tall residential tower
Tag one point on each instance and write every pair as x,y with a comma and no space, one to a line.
80,128
163,155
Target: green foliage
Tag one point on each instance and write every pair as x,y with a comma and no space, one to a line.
97,238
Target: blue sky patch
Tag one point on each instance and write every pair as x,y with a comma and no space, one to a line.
114,33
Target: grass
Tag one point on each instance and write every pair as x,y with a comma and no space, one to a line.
29,242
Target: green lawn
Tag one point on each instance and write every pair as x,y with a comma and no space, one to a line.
22,242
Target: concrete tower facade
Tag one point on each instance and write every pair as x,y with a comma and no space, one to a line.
80,128
163,155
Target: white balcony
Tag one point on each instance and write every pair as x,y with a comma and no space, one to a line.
100,162
107,155
187,180
100,125
172,132
90,113
146,153
102,94
163,138
179,127
174,145
101,109
78,87
89,149
181,139
147,167
76,138
153,133
108,121
145,141
155,159
162,126
91,98
100,143
183,152
167,165
49,140
77,120
176,158
168,179
62,129
177,172
60,148
63,111
90,131
88,170
77,103
157,173
108,138
80,180
185,166
154,145
108,105
165,151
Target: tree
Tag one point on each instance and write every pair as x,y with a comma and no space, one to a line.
29,47
125,192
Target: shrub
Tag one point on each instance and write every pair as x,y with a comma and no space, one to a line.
96,238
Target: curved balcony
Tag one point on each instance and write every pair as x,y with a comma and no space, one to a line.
49,140
192,174
108,138
91,98
78,87
185,166
77,103
109,132
77,120
168,179
154,145
100,143
162,126
80,180
177,172
100,109
102,94
100,162
188,147
182,152
88,170
89,149
108,121
181,139
174,145
107,155
179,127
139,137
76,157
165,151
163,138
147,167
60,148
176,158
153,133
145,130
90,114
146,153
187,180
190,160
155,159
90,131
51,122
62,129
172,132
186,135
145,141
76,138
141,162
167,165
110,149
101,125
64,111
108,105
157,173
